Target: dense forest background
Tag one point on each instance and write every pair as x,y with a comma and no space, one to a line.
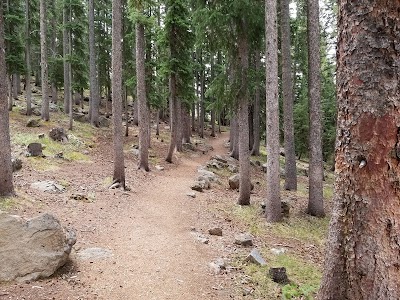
205,56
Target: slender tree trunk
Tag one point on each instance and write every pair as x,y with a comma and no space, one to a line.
43,61
15,86
186,125
53,48
316,169
9,92
67,83
119,167
202,96
362,258
173,112
71,102
179,127
19,91
287,92
28,89
243,117
273,204
193,117
234,139
94,104
158,122
251,129
6,177
126,111
256,111
141,98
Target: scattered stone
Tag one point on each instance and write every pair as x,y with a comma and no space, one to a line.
215,164
247,291
94,253
263,206
32,249
233,169
135,146
16,164
215,231
256,258
234,182
282,152
197,186
203,240
104,122
278,275
189,146
191,194
35,149
205,181
135,152
36,112
244,239
264,167
80,117
220,159
211,176
80,197
217,266
58,134
285,208
53,107
33,123
48,186
278,251
41,135
59,155
86,152
159,168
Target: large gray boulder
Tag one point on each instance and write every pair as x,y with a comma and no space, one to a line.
32,249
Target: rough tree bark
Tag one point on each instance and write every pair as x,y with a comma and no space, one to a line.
6,177
119,168
43,61
273,203
94,83
256,112
67,83
316,168
141,98
287,93
243,116
28,89
173,112
362,259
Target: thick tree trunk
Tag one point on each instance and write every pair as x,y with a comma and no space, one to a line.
273,203
141,98
362,259
243,116
94,104
119,167
316,168
6,177
67,83
287,93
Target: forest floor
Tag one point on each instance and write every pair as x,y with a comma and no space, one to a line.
154,237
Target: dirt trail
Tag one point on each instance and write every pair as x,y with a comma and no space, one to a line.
155,253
